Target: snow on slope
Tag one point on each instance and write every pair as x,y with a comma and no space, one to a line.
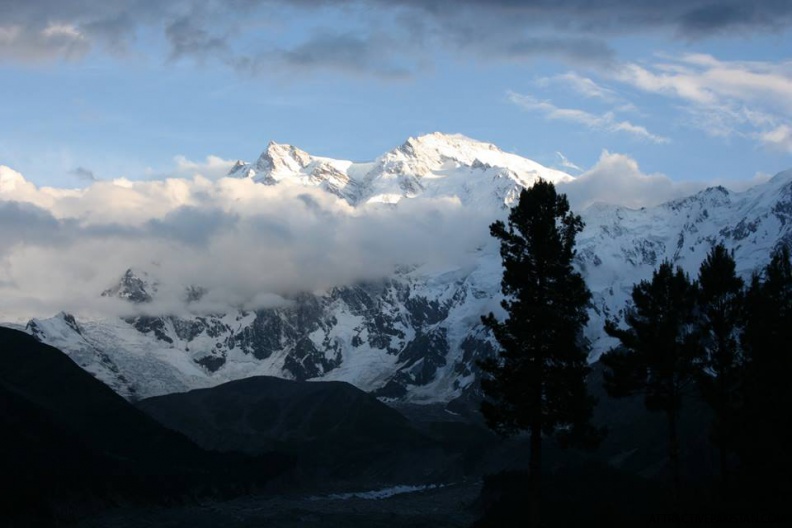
415,336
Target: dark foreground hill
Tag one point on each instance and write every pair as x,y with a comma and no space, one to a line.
337,432
263,413
72,445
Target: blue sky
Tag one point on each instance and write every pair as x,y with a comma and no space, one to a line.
694,89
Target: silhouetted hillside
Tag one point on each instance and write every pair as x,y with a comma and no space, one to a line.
73,445
337,432
258,414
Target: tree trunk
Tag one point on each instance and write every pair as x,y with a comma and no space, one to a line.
535,474
723,417
673,456
724,467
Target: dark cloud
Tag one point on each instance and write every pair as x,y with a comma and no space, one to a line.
190,225
719,17
31,225
575,49
693,18
346,52
25,222
84,174
575,30
189,39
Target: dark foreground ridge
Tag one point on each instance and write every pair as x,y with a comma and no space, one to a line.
335,431
287,454
262,413
73,446
79,453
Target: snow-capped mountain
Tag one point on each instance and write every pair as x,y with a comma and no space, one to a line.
432,165
417,334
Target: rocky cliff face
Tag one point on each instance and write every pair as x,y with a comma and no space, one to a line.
400,338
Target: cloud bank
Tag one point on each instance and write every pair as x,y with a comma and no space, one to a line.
245,243
248,245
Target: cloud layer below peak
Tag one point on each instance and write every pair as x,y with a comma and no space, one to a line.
249,245
244,242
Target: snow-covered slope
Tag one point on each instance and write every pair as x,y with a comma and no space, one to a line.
416,335
620,246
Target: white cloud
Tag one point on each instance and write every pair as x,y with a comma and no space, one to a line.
581,85
605,122
723,98
617,179
248,244
64,31
565,163
56,40
779,137
213,167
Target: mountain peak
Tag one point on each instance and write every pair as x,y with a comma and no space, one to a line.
239,170
278,161
437,148
456,141
280,157
435,164
135,287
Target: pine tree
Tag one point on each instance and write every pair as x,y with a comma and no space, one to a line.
721,379
764,448
537,381
658,353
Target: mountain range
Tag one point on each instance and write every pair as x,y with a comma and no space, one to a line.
414,334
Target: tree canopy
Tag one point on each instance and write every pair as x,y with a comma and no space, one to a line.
538,377
658,354
536,382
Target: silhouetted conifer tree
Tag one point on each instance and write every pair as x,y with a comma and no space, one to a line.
658,352
537,381
721,379
765,447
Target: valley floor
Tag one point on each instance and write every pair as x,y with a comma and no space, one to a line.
440,507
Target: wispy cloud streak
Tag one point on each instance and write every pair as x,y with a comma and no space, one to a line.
606,122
